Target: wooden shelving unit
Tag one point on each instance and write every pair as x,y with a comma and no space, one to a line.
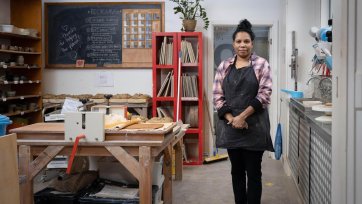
25,80
191,97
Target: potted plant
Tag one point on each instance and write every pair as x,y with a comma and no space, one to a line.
190,10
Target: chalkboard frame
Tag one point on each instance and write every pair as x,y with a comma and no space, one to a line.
134,58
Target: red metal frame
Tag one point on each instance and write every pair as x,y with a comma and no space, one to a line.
157,38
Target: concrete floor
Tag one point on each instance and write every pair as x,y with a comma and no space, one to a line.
211,184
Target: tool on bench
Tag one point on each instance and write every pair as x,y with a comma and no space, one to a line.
89,123
83,127
108,97
110,109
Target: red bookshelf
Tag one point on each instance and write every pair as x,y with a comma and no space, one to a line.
191,97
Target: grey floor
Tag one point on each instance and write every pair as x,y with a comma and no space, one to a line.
211,184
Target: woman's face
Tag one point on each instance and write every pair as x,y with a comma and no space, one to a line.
243,44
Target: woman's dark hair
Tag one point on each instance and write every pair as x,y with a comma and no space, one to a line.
244,26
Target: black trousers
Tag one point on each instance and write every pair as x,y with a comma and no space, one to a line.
246,163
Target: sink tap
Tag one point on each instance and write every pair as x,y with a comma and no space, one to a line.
320,82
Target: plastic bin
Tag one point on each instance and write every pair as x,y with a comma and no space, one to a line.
4,121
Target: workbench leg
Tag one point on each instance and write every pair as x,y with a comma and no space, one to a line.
178,161
145,181
26,182
167,171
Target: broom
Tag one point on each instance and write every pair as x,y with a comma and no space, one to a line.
216,156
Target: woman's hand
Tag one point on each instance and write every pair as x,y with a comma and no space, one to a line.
239,122
229,118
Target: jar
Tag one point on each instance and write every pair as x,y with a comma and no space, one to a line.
20,60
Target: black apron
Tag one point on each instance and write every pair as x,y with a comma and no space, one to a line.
240,86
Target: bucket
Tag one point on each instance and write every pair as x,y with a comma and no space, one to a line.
4,121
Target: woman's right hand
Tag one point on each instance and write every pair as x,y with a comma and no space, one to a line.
229,118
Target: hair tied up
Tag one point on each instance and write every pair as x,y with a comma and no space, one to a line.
244,24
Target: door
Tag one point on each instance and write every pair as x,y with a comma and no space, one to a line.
223,48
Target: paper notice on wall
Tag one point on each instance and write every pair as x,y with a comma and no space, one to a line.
104,79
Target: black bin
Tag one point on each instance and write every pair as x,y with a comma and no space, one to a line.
46,197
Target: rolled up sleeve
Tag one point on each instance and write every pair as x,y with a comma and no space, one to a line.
265,85
218,93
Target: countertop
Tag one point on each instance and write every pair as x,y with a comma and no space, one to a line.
311,115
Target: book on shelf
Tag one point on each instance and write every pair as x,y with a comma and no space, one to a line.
189,85
165,53
194,86
168,87
188,54
163,112
190,51
197,54
172,85
165,83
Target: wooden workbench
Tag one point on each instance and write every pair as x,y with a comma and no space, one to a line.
46,140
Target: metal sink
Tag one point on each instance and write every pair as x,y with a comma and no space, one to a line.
302,103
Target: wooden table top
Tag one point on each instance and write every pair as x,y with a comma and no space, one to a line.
53,133
59,128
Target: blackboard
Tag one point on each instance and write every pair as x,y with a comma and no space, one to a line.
100,33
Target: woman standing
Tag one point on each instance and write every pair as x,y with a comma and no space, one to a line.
242,90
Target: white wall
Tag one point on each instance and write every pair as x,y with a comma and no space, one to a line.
299,16
58,81
347,102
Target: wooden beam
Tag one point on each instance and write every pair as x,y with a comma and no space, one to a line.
26,188
43,159
167,171
145,181
126,160
178,160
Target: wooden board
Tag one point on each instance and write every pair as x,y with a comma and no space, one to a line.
9,191
55,131
145,126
